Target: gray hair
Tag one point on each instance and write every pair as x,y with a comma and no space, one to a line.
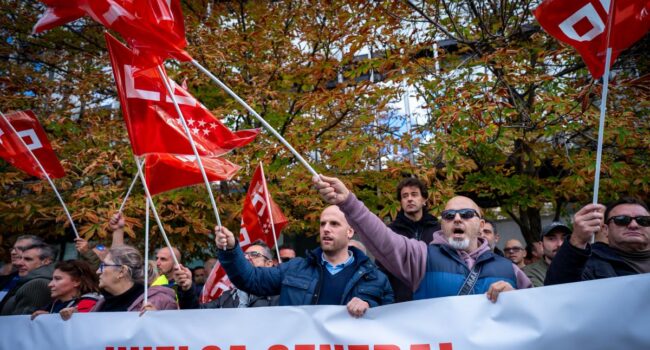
32,238
131,258
267,251
45,251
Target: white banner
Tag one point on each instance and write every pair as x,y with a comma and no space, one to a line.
606,314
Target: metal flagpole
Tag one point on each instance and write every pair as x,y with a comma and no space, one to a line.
47,176
256,115
128,193
189,135
153,208
268,205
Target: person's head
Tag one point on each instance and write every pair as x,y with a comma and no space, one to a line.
209,265
152,272
412,195
165,261
490,234
122,266
287,253
462,223
34,256
259,254
198,274
627,224
72,278
515,251
21,243
357,244
335,232
552,237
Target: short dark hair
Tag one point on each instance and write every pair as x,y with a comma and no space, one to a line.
624,200
267,251
286,246
81,272
197,268
45,250
412,182
494,226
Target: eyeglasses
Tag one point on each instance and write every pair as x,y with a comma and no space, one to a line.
513,250
255,254
102,266
465,214
624,220
285,259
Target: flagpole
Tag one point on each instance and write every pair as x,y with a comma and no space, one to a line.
256,115
603,103
196,152
153,208
146,250
47,176
128,193
268,205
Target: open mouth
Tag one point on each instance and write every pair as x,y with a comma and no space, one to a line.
458,231
327,239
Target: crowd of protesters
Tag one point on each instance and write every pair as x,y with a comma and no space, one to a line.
417,256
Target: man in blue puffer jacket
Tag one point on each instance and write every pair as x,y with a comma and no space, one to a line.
333,274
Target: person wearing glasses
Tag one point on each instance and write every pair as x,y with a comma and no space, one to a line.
121,279
457,262
332,274
258,254
625,222
286,253
9,281
515,251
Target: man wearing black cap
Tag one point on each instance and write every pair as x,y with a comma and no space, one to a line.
552,237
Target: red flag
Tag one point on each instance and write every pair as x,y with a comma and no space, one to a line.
30,130
151,119
216,283
583,25
256,214
165,172
256,224
154,28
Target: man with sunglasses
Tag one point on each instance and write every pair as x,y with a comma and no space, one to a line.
625,222
258,254
457,262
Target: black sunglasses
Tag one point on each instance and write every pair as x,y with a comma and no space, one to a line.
467,213
624,220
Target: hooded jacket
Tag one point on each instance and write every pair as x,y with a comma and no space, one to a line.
298,281
30,293
421,230
433,270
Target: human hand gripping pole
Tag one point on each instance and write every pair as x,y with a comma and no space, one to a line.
586,222
331,189
224,239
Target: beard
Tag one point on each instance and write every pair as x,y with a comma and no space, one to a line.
459,245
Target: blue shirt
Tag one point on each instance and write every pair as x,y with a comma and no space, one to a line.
333,270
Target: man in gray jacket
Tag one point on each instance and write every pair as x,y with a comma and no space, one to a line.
31,292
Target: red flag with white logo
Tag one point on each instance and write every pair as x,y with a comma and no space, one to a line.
165,172
151,119
13,150
256,224
153,28
583,25
257,214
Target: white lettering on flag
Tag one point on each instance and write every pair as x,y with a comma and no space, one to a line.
31,139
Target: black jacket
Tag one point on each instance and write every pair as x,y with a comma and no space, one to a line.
228,299
572,264
422,231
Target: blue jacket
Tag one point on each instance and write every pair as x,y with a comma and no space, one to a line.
446,272
298,281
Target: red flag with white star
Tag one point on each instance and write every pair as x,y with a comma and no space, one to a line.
152,121
14,151
165,172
